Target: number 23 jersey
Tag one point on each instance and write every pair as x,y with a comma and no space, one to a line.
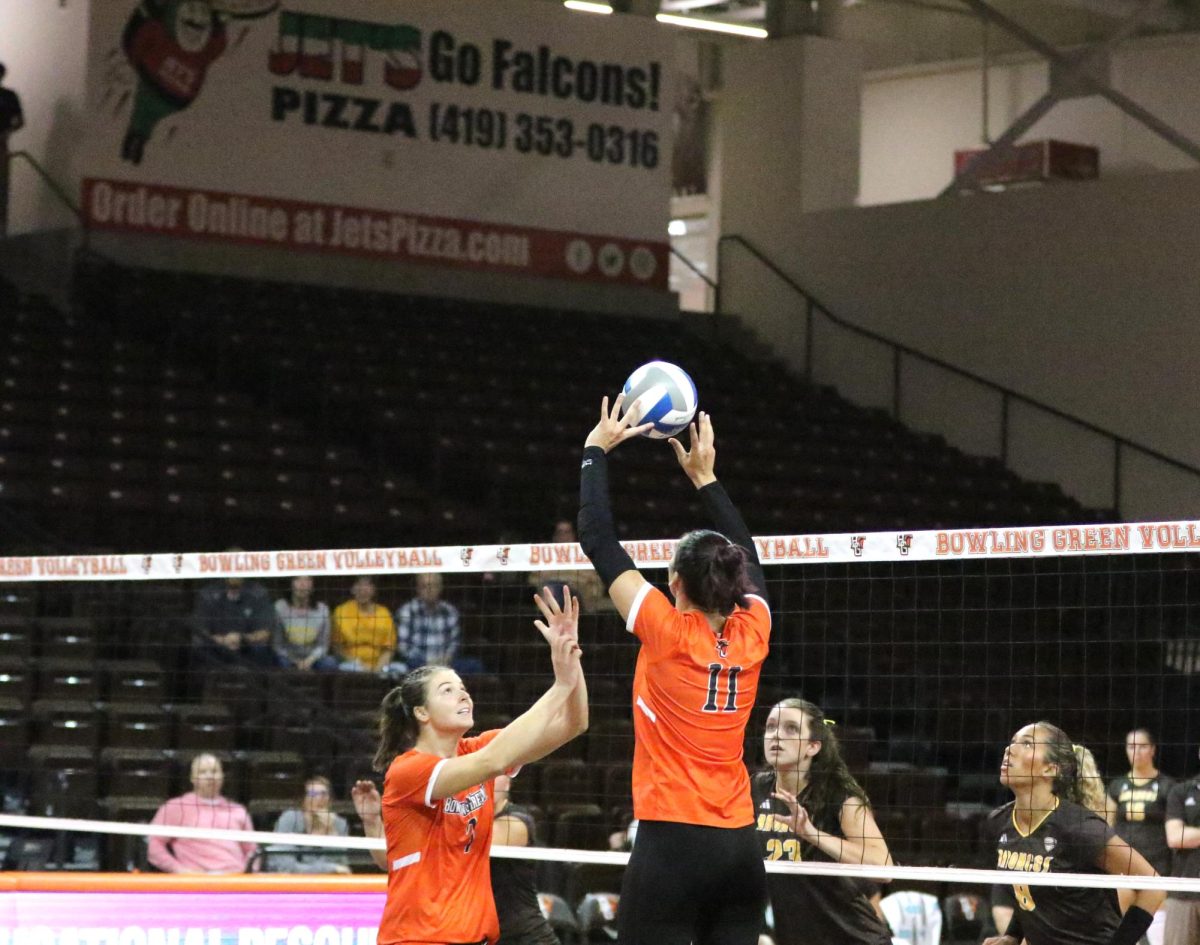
692,695
1069,839
439,879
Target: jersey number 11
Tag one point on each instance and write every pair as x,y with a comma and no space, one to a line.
714,681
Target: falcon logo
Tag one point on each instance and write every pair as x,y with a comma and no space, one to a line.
503,554
904,543
465,556
857,544
178,564
147,564
722,648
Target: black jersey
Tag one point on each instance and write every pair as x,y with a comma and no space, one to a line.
1183,803
813,910
1141,814
515,891
1070,839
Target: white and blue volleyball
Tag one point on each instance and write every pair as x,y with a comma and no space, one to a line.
661,393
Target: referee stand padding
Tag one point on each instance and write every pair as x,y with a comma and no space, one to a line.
194,882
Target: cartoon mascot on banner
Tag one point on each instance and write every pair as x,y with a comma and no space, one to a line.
171,44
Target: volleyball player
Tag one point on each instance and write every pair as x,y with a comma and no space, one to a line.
696,873
1046,829
437,805
1140,801
1092,796
513,882
811,808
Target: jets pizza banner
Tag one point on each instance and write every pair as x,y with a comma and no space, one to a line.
513,136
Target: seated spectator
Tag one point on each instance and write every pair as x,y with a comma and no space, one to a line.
302,629
427,629
204,807
364,637
585,585
233,621
313,817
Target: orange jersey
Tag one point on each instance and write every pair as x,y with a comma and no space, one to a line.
692,696
439,879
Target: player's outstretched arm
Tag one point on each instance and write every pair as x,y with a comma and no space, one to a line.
699,464
524,737
597,534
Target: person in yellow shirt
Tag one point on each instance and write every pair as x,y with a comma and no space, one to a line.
364,635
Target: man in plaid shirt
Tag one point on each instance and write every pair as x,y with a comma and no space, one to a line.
427,629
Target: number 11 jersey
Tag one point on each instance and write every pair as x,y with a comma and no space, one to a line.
693,690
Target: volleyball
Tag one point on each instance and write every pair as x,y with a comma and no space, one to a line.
662,393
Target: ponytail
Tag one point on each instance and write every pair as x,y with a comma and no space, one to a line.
713,571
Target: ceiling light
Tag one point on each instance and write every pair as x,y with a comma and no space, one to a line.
714,26
583,6
687,22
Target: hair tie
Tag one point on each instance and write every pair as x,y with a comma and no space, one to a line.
829,722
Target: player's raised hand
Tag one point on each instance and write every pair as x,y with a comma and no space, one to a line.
613,429
565,655
367,802
559,619
699,460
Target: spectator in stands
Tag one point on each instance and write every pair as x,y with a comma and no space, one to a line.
427,627
364,636
234,622
811,808
1139,813
12,119
585,585
302,629
312,817
203,806
1183,836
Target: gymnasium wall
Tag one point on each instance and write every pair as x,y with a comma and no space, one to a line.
1082,296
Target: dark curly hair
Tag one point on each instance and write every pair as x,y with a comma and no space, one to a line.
713,571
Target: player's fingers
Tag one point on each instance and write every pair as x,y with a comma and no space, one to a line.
604,409
541,605
542,627
616,407
567,600
680,452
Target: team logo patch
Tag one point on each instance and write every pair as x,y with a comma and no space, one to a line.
857,544
722,648
1004,838
1051,843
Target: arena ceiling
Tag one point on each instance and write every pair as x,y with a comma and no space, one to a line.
906,32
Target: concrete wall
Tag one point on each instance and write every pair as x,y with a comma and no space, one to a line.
1083,296
44,45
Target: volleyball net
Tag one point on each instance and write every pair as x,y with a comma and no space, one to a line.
926,650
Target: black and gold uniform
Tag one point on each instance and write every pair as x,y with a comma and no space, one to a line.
1183,908
1069,839
515,892
813,910
1141,814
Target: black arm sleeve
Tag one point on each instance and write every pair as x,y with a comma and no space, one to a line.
728,521
1133,926
597,535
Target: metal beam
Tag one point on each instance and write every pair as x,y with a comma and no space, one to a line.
1072,71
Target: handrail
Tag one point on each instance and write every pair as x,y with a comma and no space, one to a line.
696,269
898,348
55,188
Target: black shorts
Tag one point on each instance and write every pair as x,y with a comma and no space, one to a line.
691,884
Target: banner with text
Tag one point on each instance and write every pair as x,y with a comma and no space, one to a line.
517,138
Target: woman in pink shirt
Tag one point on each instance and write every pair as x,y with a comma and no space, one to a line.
202,807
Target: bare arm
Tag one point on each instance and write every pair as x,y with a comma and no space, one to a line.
1182,837
862,843
525,737
1120,859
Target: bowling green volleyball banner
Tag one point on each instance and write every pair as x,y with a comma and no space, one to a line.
514,137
